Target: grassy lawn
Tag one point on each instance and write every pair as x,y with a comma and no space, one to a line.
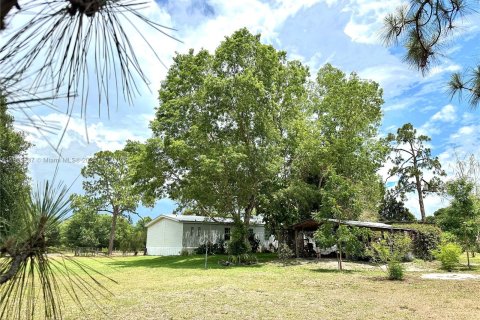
180,288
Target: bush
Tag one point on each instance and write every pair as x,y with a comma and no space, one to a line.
213,248
395,270
254,242
238,244
426,239
392,251
184,252
448,237
284,253
395,248
245,259
449,255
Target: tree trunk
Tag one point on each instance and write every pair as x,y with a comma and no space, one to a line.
418,182
468,259
14,267
248,214
112,230
340,267
420,197
248,211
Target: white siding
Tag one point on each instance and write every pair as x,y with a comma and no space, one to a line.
169,237
164,238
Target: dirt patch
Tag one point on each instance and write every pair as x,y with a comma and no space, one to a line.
450,276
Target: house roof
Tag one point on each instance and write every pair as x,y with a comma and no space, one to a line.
311,223
258,220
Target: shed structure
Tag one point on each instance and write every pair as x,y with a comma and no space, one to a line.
169,234
303,231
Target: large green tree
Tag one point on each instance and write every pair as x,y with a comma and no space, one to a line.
223,124
339,134
348,115
14,186
413,162
423,27
107,188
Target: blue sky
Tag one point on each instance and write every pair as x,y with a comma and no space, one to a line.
343,33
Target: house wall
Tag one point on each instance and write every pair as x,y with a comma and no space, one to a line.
168,237
164,238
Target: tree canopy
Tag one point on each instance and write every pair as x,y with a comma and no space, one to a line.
338,136
242,132
14,182
394,210
107,188
223,124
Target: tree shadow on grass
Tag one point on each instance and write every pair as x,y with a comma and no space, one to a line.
464,268
325,270
182,262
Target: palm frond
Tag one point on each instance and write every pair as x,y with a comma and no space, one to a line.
68,41
422,28
33,281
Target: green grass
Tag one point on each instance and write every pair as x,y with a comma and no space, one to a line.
180,288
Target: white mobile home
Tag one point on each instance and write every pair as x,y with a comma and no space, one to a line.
169,234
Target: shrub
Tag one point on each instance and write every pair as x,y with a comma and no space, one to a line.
426,239
284,253
184,252
448,237
213,248
395,270
391,251
245,259
395,248
449,255
254,242
238,244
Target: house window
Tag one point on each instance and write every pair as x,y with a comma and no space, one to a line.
198,232
227,234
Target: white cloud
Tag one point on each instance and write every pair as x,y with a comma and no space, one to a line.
257,16
444,68
446,114
392,75
461,144
431,203
366,20
435,125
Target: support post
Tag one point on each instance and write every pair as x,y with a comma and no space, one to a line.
296,243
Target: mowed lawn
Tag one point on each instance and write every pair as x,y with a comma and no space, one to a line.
180,288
